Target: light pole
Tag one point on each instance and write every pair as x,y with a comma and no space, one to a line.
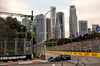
43,17
32,32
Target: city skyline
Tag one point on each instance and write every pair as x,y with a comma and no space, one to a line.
85,10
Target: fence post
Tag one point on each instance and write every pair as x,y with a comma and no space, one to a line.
5,46
92,47
71,48
85,47
36,50
15,46
98,47
80,48
24,46
76,47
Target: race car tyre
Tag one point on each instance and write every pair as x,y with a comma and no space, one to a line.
69,58
51,58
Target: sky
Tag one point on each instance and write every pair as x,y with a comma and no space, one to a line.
86,9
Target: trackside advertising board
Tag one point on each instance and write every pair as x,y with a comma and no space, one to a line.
15,57
97,29
76,53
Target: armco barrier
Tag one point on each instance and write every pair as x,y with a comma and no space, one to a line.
76,53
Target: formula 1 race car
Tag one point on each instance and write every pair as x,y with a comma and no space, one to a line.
59,58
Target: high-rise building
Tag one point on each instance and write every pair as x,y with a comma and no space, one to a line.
94,26
34,26
40,28
60,17
26,22
58,29
19,22
83,27
53,21
73,21
48,28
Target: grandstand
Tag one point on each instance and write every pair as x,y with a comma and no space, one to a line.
92,45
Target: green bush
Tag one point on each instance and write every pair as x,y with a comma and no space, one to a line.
11,52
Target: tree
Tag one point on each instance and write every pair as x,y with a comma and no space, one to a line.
14,29
29,35
13,23
2,27
9,27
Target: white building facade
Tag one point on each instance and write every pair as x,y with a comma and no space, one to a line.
53,21
73,21
83,27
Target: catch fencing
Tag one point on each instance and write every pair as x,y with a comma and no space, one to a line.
15,46
92,45
39,50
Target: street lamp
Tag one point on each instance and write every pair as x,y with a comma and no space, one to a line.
43,17
38,31
32,31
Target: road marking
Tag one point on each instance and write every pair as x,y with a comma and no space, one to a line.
2,64
36,61
53,64
11,63
45,61
25,62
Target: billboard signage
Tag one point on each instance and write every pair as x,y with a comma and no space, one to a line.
15,57
89,31
97,28
77,35
73,36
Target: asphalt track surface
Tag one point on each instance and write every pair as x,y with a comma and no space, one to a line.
75,61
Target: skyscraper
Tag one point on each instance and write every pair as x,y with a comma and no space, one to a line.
60,17
26,22
83,27
34,26
53,21
19,22
94,26
48,28
58,29
40,28
73,21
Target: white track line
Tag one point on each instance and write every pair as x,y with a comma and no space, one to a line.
24,62
2,64
53,64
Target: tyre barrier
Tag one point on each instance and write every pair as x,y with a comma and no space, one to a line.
76,53
7,58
